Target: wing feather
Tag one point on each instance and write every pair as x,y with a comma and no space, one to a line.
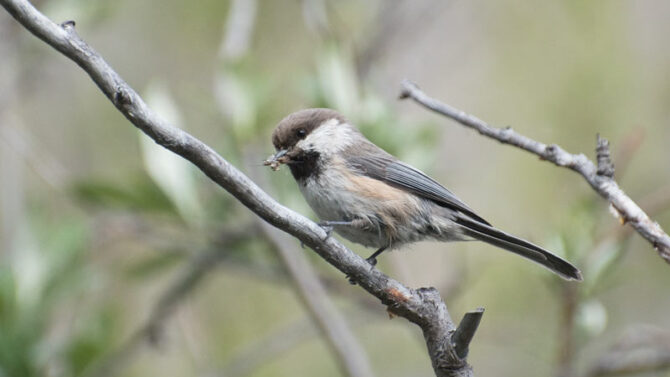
386,168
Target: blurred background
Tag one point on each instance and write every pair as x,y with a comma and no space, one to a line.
117,258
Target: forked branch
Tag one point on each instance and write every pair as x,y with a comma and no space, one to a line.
423,307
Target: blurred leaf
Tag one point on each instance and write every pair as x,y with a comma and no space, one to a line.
414,143
337,80
577,233
142,194
65,257
556,244
172,173
29,268
601,262
236,101
335,86
155,264
7,296
91,12
22,325
24,319
93,338
592,317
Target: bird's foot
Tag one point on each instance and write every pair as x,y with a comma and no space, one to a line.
372,261
328,228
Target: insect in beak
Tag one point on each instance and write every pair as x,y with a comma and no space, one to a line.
276,160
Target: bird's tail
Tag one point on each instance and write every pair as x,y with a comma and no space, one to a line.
493,236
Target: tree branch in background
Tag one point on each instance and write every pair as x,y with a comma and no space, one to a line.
423,306
273,345
640,350
315,298
346,349
600,177
151,331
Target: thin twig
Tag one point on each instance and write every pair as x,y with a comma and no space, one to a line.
423,306
599,177
566,333
655,203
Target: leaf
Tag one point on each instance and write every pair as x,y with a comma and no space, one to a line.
95,335
142,194
154,264
29,267
337,79
172,173
600,263
236,101
592,317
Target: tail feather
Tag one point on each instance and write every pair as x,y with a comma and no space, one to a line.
493,236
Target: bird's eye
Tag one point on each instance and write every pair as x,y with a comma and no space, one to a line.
300,132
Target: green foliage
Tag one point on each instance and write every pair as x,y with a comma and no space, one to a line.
155,264
92,339
29,307
19,331
140,194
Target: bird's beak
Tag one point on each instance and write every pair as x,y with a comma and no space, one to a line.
279,154
275,161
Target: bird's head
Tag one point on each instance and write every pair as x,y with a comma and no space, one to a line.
310,134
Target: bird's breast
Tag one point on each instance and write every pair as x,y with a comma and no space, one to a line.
338,194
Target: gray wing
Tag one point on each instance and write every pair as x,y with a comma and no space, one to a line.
398,174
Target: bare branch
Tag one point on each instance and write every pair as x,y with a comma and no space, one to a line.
423,307
569,295
640,350
599,177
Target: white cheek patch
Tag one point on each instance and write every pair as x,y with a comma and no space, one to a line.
329,138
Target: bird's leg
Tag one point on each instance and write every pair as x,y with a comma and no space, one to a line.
372,259
356,223
328,225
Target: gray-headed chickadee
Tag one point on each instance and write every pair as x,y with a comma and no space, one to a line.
371,198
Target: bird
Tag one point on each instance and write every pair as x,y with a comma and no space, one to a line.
370,197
